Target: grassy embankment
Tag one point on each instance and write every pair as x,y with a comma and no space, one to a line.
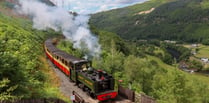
21,50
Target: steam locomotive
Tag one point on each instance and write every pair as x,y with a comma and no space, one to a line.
96,83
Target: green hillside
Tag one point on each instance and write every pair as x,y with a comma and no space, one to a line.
24,71
184,20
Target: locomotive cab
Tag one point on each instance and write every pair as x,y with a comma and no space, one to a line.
105,81
82,65
105,84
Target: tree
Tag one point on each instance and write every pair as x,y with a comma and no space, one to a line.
194,64
205,42
140,71
113,61
162,88
6,90
170,87
167,58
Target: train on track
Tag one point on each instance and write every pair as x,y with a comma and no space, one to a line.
97,83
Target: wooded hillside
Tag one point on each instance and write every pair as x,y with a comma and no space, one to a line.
183,20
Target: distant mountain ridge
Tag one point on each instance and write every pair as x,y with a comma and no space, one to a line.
184,20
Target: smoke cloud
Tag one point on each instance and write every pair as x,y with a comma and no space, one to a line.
74,28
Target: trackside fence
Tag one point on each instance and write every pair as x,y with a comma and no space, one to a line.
48,100
136,98
126,93
77,98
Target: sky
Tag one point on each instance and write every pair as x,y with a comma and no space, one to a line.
93,6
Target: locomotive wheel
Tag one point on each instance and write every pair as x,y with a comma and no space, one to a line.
86,89
93,95
80,85
88,93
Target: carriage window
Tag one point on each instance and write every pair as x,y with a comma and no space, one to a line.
66,63
77,66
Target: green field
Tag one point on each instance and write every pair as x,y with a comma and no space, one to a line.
203,51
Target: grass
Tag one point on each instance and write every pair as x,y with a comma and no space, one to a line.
51,86
47,86
205,4
159,50
203,51
200,77
160,62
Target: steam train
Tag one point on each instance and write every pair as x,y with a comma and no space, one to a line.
96,83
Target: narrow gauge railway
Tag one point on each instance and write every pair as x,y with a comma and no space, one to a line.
97,83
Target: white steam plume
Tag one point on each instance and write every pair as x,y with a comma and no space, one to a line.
74,28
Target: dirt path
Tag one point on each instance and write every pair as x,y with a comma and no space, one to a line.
67,87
